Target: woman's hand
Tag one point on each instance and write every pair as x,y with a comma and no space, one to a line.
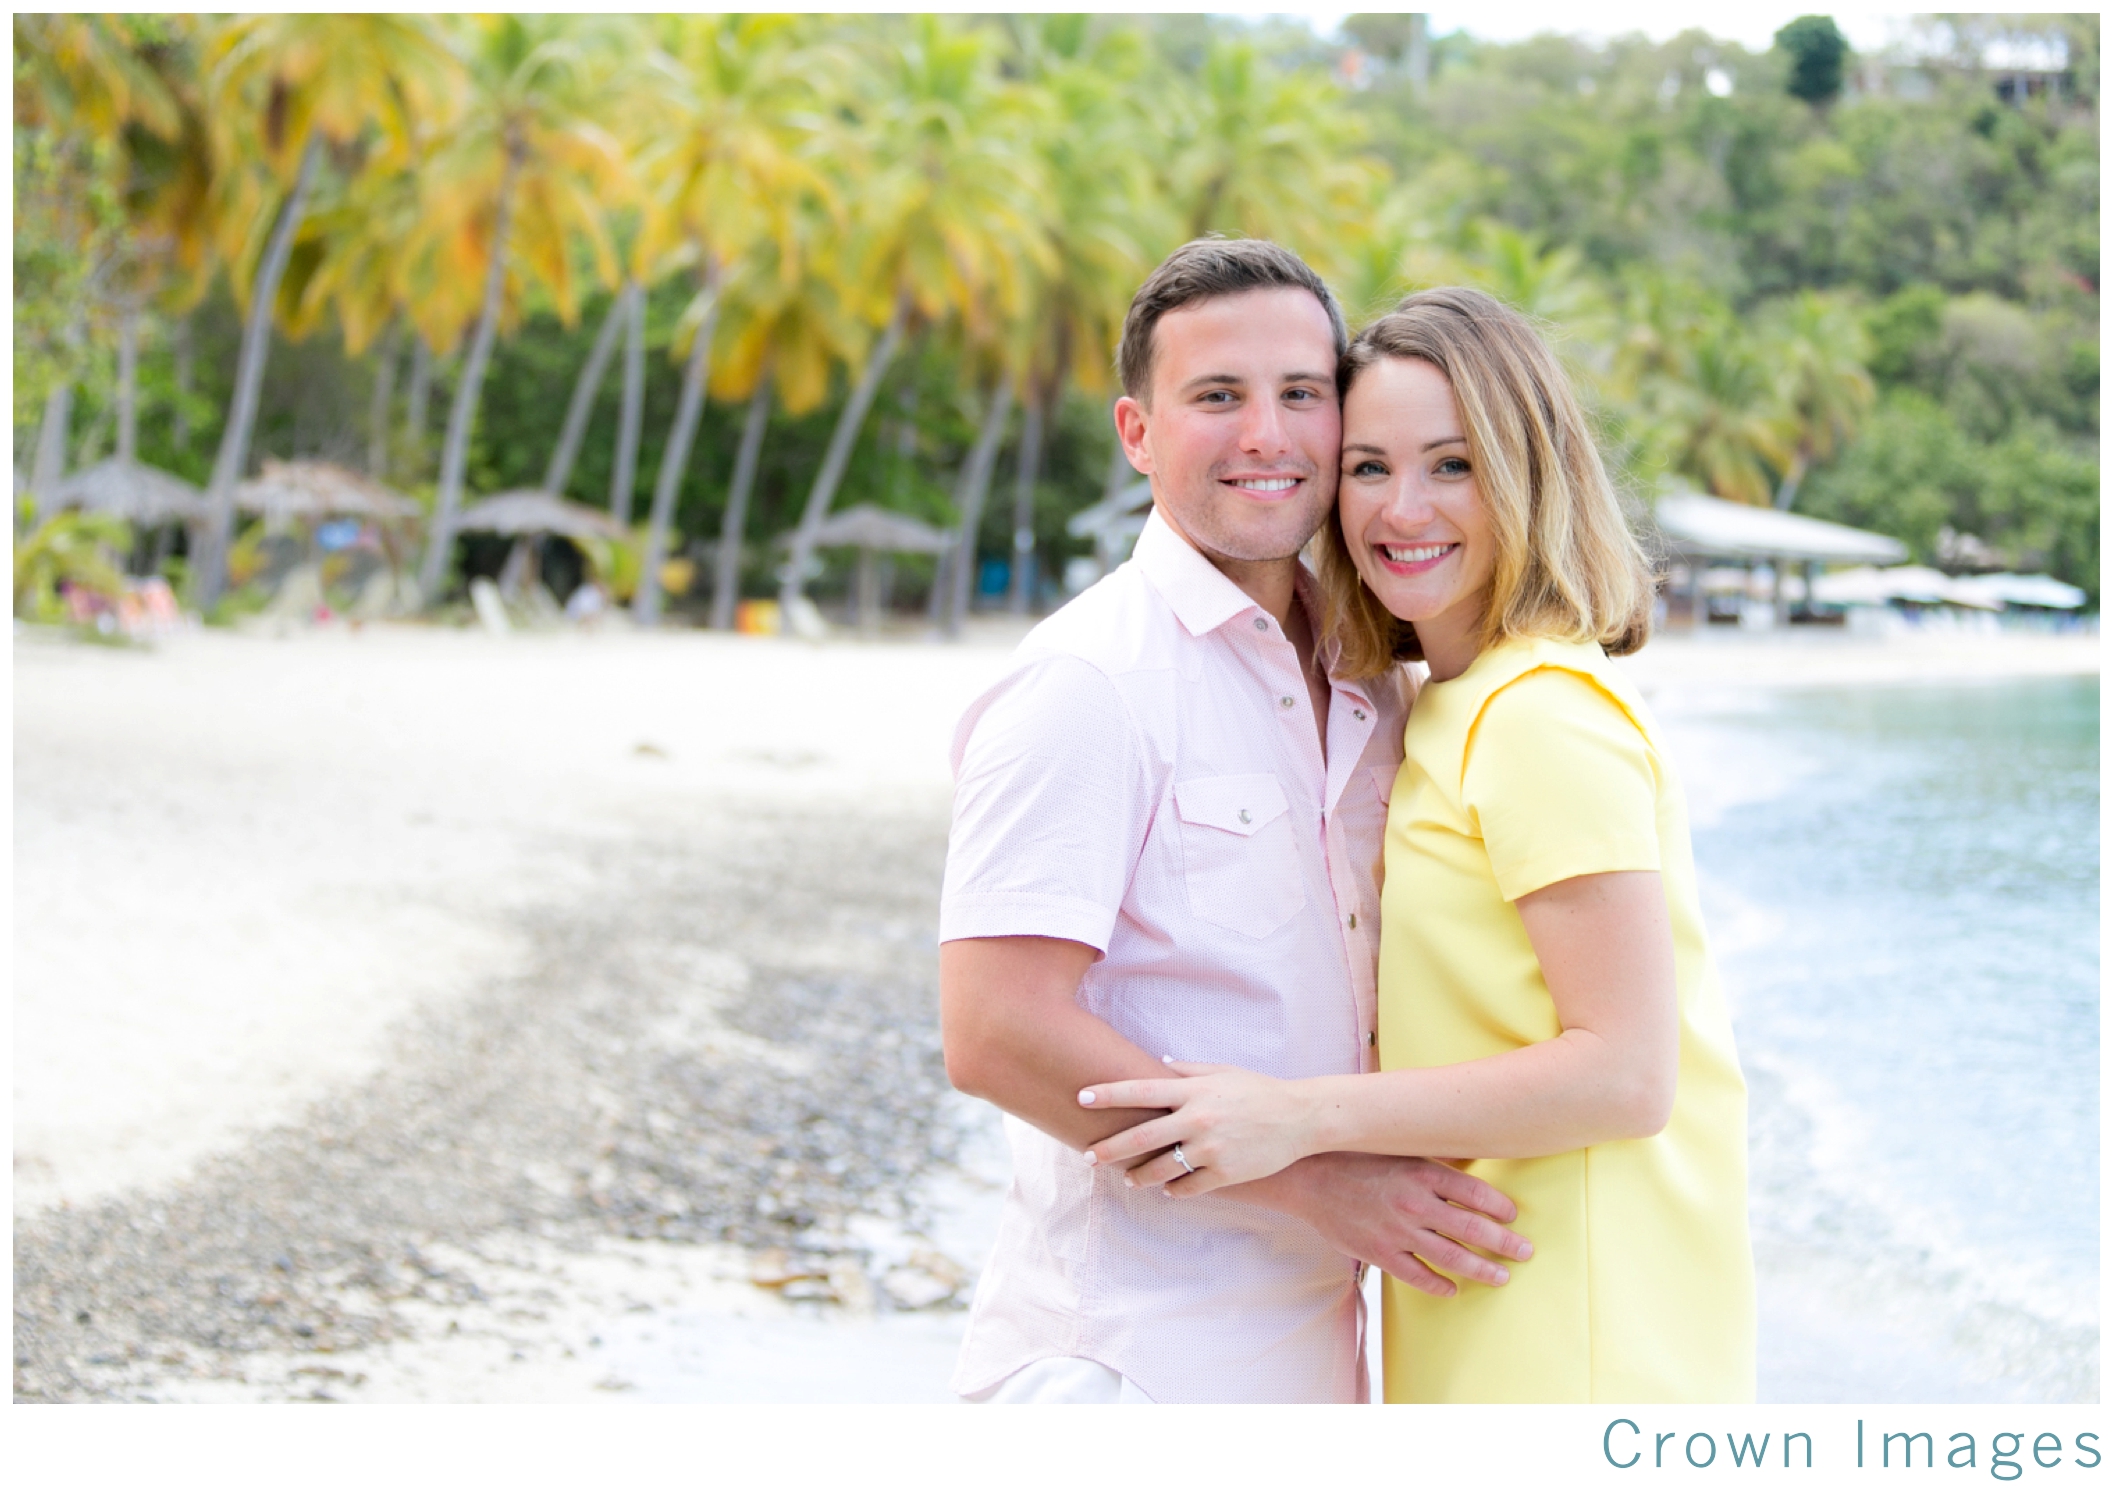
1231,1125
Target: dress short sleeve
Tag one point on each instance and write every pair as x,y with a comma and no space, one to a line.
1562,783
1052,804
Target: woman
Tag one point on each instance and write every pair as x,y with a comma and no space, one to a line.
1548,1008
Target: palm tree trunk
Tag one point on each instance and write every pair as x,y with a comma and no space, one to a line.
969,494
583,390
128,386
185,347
1023,500
726,583
211,567
1787,492
415,399
378,409
625,480
838,456
454,455
49,468
676,457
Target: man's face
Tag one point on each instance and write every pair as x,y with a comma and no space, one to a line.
1243,434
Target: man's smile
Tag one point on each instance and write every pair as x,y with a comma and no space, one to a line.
1273,485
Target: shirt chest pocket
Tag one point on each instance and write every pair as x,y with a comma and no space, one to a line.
1238,853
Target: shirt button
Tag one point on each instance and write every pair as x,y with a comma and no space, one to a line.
1261,624
1371,1038
1359,714
1246,818
1287,702
1353,921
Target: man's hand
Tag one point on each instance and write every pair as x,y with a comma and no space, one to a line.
1411,1217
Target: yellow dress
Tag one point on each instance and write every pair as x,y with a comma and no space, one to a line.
1537,764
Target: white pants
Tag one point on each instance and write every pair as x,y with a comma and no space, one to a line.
1062,1381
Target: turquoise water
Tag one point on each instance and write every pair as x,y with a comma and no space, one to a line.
1902,887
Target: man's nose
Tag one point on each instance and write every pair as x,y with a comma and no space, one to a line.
1262,430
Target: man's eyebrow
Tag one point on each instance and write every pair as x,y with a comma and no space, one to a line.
1217,380
1311,378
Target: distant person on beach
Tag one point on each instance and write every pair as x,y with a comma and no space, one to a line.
1166,839
1548,1007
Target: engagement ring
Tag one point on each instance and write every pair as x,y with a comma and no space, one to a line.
1183,1160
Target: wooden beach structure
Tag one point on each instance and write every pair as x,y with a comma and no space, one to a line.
1697,534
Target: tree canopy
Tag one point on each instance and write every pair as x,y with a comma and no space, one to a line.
1862,287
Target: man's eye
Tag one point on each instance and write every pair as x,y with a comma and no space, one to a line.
1302,394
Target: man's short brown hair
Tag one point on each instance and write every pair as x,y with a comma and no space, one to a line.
1212,268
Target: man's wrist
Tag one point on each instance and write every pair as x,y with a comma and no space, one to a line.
1287,1191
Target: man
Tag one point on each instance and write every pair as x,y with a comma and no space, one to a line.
1167,831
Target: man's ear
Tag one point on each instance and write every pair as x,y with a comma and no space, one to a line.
1131,421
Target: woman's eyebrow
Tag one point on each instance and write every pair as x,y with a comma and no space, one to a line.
1441,443
1367,448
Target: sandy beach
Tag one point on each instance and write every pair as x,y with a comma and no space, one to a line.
409,1014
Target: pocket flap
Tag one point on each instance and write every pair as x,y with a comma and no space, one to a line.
1241,803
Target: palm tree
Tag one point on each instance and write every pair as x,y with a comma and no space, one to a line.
523,172
1099,217
783,330
283,89
729,173
1266,153
1725,416
949,219
89,87
1818,347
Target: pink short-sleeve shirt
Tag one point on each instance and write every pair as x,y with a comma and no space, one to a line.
1146,778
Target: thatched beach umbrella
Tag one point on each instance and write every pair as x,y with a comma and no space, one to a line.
316,488
526,516
141,494
871,530
520,513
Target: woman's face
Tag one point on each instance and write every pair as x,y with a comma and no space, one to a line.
1412,513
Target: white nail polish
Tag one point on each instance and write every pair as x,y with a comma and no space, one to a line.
1166,1059
1089,1156
1085,1099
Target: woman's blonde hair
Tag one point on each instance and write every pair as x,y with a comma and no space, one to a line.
1566,565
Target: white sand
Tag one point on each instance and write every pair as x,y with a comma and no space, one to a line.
239,859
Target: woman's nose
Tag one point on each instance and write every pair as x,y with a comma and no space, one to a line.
1409,508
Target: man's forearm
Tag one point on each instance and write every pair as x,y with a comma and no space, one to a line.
1016,1037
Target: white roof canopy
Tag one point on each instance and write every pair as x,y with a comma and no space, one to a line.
1703,527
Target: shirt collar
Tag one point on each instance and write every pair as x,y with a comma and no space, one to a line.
1203,599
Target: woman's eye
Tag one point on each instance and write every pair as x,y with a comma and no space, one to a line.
1368,468
1452,466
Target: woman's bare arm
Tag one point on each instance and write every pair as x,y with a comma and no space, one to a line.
1605,946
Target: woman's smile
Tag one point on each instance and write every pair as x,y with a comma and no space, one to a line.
1413,558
